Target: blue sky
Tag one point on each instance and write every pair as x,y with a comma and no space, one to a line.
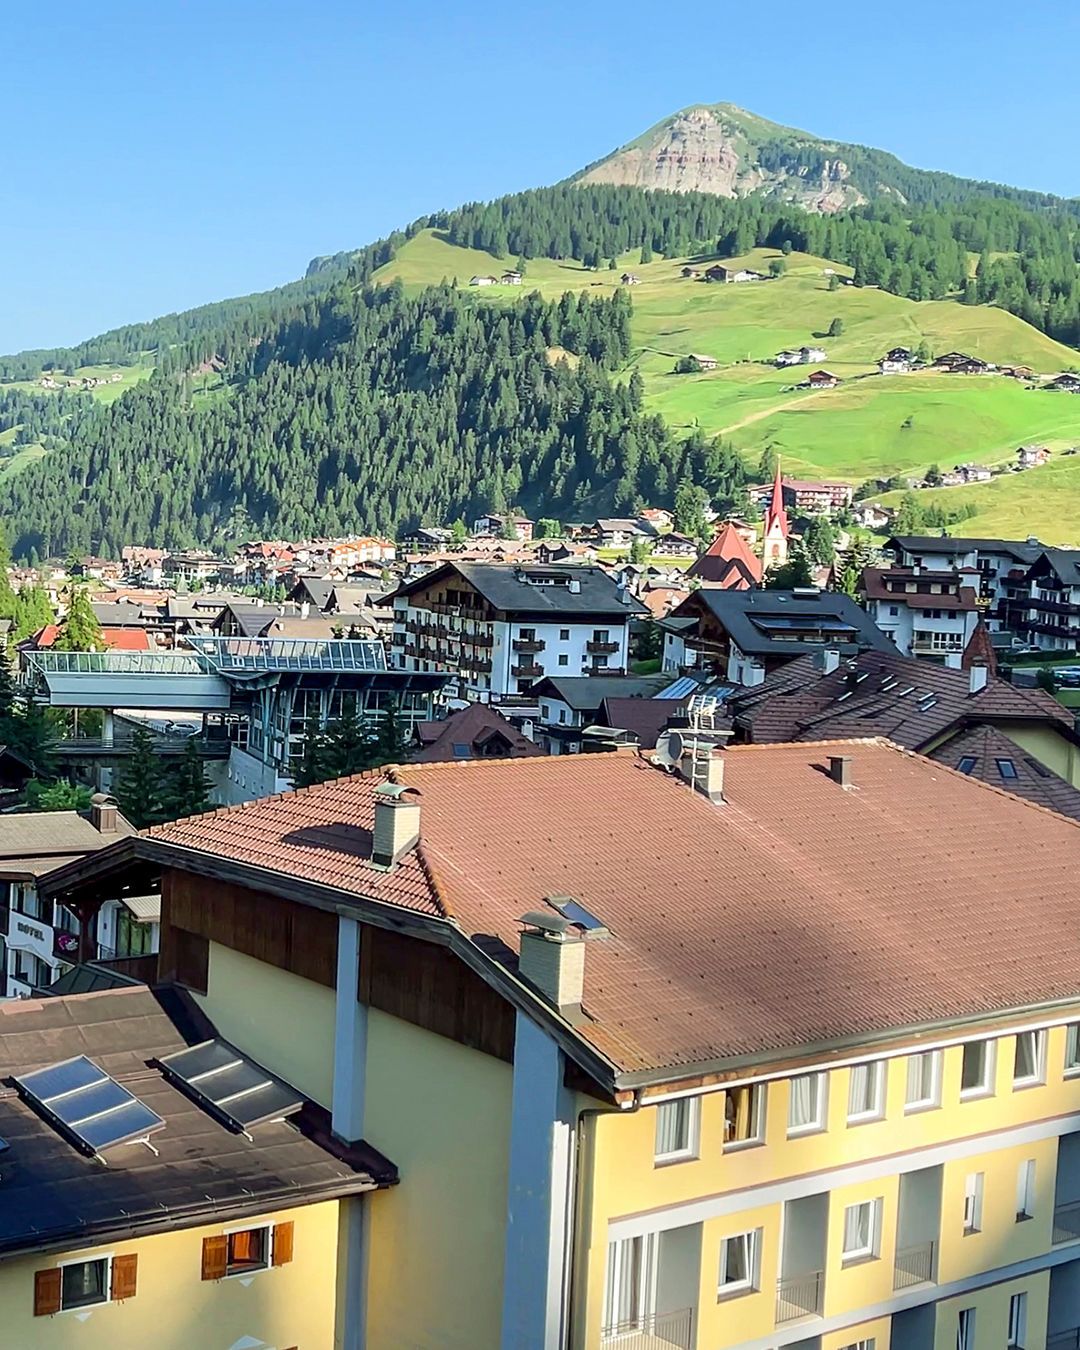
160,156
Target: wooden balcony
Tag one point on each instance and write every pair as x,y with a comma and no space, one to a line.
527,671
528,645
601,648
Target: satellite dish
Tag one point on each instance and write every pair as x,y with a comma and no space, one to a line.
668,751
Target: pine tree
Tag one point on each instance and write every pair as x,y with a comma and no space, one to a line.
139,785
188,792
80,630
312,767
390,745
347,747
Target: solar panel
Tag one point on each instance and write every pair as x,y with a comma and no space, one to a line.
229,1086
88,1107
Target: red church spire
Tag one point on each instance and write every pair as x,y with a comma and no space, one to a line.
775,512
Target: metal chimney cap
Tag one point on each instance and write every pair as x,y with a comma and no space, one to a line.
394,791
547,921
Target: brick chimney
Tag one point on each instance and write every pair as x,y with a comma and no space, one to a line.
397,823
552,959
840,770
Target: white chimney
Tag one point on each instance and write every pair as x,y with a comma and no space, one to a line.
977,677
753,674
305,609
575,586
397,823
828,661
552,959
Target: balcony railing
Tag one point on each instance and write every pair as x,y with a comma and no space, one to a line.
799,1296
528,645
1066,1222
914,1265
601,648
658,1331
527,670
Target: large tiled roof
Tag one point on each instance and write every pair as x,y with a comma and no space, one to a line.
1064,562
910,701
796,913
754,619
585,693
874,581
470,730
1021,550
38,841
728,562
984,752
55,1196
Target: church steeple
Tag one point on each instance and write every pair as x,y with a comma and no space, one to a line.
777,527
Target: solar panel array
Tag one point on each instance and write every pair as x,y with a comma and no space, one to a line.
230,1087
87,1106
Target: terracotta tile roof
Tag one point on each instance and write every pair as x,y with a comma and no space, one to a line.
796,913
472,729
874,584
728,562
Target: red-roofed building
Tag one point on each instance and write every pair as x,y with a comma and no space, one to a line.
113,639
728,562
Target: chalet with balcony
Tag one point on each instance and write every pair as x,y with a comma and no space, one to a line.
927,614
1043,604
1001,566
499,628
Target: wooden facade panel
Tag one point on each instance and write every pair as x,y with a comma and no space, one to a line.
280,932
429,986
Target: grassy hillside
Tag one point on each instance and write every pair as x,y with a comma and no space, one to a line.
871,425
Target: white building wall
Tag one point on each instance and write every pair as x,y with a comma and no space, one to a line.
247,779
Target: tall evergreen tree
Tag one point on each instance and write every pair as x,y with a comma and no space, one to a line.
80,630
140,785
189,787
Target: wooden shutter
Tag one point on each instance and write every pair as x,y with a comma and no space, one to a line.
124,1276
47,1292
283,1240
215,1257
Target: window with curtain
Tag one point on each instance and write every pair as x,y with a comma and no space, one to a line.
1017,1337
1025,1190
624,1295
739,1257
965,1329
1072,1048
248,1250
923,1078
860,1235
676,1128
973,1202
806,1103
866,1091
1029,1058
84,1283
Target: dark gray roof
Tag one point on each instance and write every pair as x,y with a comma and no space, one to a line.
317,589
122,615
88,978
1022,550
756,620
506,586
1063,562
55,1197
984,752
585,693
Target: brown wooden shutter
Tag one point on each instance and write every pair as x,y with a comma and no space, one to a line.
283,1239
47,1292
215,1257
124,1276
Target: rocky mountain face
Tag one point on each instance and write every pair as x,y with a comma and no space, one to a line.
723,150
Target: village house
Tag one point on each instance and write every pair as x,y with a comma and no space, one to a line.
483,281
499,628
691,271
629,279
618,531
897,362
817,498
820,379
870,515
475,970
511,278
800,356
1031,456
1065,384
959,363
732,274
727,562
675,545
1042,603
495,524
1000,565
476,732
569,706
705,362
657,519
927,614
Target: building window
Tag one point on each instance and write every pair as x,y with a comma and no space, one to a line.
867,1343
84,1283
677,1127
564,634
1006,768
977,1072
564,660
1025,1190
965,1329
806,1103
861,1230
973,1201
1072,1048
744,1115
740,1263
562,716
545,712
624,1295
1017,1338
966,763
923,1081
248,1250
1029,1063
866,1092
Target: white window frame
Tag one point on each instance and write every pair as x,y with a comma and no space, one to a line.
752,1280
867,1343
1039,1077
965,1329
934,1099
227,1233
107,1257
870,1248
759,1093
974,1186
986,1087
688,1150
645,1283
878,1068
817,1122
1072,1050
1025,1189
1016,1336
